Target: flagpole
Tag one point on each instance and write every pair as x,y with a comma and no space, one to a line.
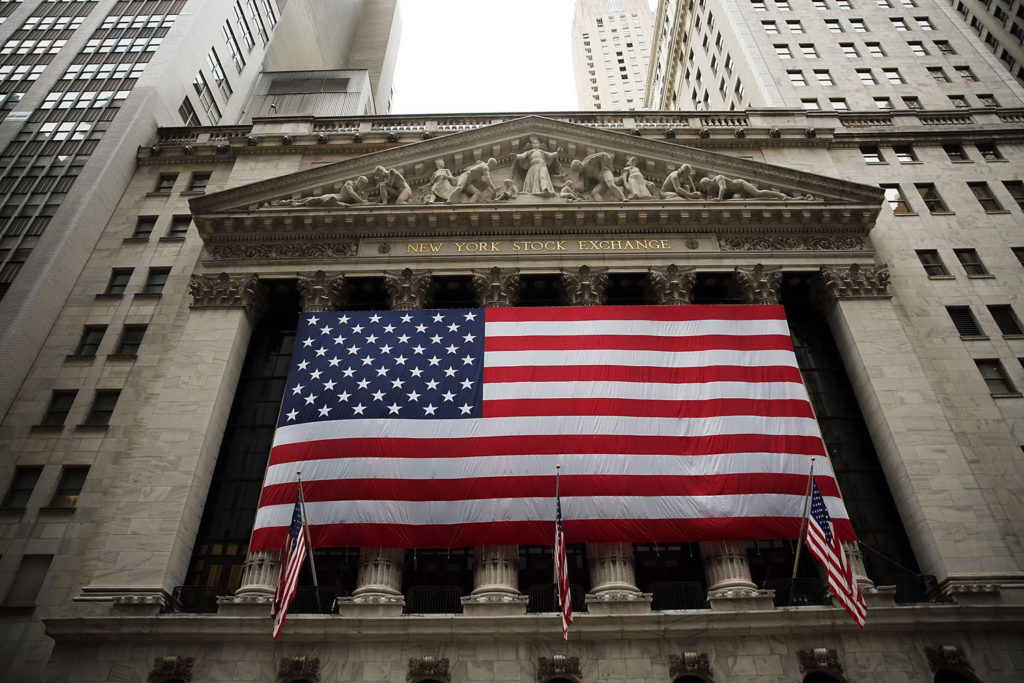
309,541
803,519
557,472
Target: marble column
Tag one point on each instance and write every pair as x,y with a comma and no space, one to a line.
612,571
496,574
320,293
379,583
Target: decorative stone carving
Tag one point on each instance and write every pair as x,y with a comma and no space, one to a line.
351,192
597,177
428,667
777,243
260,574
227,291
321,292
689,663
558,665
390,186
496,287
720,188
171,668
282,250
633,182
584,286
299,668
819,659
947,656
532,169
441,183
758,284
507,192
672,285
679,184
856,282
569,193
408,289
475,184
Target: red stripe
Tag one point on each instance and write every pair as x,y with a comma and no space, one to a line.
539,532
627,342
534,407
699,375
540,486
669,313
544,444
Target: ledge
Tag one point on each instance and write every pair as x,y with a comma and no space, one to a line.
46,429
76,358
91,428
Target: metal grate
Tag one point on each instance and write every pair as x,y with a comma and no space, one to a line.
544,598
316,600
433,600
964,321
195,599
678,595
797,592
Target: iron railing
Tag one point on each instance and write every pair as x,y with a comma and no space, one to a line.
433,600
544,598
195,599
678,595
316,600
797,592
911,588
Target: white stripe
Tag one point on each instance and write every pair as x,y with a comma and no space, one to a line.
539,509
631,358
544,465
553,426
652,391
640,328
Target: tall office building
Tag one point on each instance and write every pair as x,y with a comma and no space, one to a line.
610,42
85,83
1000,26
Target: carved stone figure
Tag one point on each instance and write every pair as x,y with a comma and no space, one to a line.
474,183
633,182
534,167
507,191
442,183
679,184
352,192
391,186
720,187
569,193
596,174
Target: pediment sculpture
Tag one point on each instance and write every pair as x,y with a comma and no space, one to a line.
536,174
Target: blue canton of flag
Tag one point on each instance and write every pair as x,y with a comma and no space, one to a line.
362,365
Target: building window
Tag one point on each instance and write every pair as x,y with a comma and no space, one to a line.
924,23
156,280
232,44
819,4
758,5
69,486
22,485
875,49
144,227
131,339
899,24
1019,253
966,74
59,407
808,50
165,182
932,263
866,76
988,101
989,152
219,79
932,199
938,74
944,47
1016,190
28,581
858,26
985,197
810,104
824,78
849,49
844,4
883,102
783,51
90,340
833,26
971,262
770,27
1006,320
257,20
896,199
188,113
797,78
782,5
955,152
871,154
912,102
794,26
917,48
839,104
893,76
965,322
102,407
198,182
118,282
179,227
995,376
904,154
206,97
958,101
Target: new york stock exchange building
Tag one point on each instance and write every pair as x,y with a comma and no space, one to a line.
145,427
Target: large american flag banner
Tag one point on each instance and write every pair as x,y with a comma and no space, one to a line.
442,428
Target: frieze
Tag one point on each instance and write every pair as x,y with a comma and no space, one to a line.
170,669
530,246
271,251
797,243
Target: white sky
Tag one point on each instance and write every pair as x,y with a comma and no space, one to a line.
477,56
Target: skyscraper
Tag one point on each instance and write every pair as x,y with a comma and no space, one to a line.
610,43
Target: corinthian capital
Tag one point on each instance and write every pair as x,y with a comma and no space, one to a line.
758,284
496,287
856,282
672,285
408,289
584,286
227,291
321,292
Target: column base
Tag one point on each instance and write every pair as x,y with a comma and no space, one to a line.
741,599
371,605
494,604
879,596
619,602
245,605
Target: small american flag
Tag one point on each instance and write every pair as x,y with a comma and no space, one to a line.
291,564
825,546
562,570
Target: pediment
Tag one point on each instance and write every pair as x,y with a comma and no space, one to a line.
754,195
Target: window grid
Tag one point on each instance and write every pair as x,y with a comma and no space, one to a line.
932,263
896,199
90,340
1016,190
22,485
984,195
971,262
69,486
156,280
965,323
995,376
932,200
102,407
59,407
118,282
1006,320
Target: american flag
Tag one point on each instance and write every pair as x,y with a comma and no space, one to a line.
291,564
825,546
440,428
562,570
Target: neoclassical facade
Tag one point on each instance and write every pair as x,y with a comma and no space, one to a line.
135,450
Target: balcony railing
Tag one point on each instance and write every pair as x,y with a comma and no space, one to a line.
544,598
313,600
678,595
433,600
195,599
912,588
797,592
